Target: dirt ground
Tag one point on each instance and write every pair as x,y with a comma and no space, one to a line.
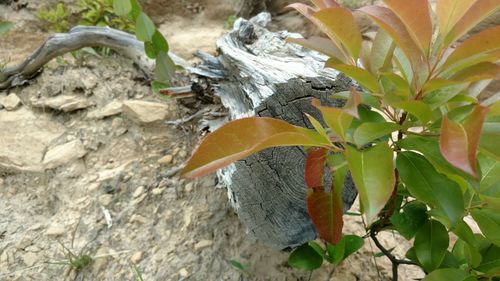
113,193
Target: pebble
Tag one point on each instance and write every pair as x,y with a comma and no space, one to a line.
10,102
1,182
203,244
30,259
136,257
167,159
102,261
139,200
105,199
138,219
183,272
157,191
138,191
189,187
144,112
63,154
55,230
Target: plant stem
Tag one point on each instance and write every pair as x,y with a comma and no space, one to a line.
395,262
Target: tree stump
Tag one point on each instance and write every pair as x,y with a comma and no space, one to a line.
258,74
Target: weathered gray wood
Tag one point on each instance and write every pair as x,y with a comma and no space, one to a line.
258,73
77,38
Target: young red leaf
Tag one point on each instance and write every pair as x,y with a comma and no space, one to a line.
485,42
337,119
477,12
241,138
324,208
320,44
459,143
449,13
362,76
416,17
351,107
373,173
339,24
396,29
325,4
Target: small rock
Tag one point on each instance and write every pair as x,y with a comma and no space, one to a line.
144,112
10,102
137,219
24,243
182,153
136,257
30,258
100,263
183,272
105,199
138,191
113,108
1,182
55,230
139,200
189,187
157,191
63,154
203,244
63,103
167,159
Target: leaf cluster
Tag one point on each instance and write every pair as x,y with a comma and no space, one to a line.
421,147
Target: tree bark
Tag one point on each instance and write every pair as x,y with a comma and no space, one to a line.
258,74
250,8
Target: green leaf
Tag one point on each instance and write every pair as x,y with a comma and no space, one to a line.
430,245
320,44
165,67
381,52
448,274
466,253
408,222
305,258
5,26
368,132
489,223
157,86
464,232
352,244
459,143
416,108
360,75
136,9
122,7
373,173
157,45
490,181
337,119
491,260
394,86
144,28
317,248
319,128
243,137
489,144
336,252
442,95
426,184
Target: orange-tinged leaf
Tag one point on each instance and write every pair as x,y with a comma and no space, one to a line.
459,143
373,173
306,10
337,119
241,138
486,41
436,84
324,208
481,71
391,23
381,52
320,44
351,107
360,75
477,12
416,17
449,12
325,4
339,24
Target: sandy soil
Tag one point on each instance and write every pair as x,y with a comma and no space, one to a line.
116,197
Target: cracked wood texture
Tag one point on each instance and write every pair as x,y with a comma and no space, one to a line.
258,73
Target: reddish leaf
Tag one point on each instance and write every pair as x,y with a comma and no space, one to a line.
459,143
337,119
416,17
324,4
306,10
481,71
396,29
324,208
485,42
320,44
479,11
449,13
351,107
241,138
339,24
